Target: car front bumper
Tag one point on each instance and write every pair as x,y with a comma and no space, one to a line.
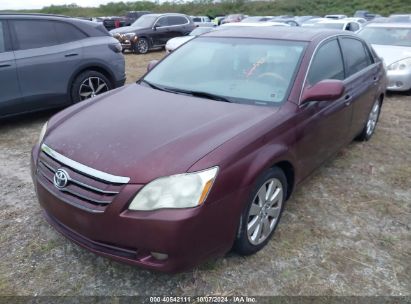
399,80
188,236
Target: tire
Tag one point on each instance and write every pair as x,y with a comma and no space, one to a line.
141,46
83,89
371,122
258,220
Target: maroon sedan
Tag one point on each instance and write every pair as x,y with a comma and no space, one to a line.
200,154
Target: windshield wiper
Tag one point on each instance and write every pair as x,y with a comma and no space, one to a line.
154,86
187,92
208,96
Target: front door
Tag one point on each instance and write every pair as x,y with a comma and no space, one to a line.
323,125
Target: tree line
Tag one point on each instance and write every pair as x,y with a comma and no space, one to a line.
223,7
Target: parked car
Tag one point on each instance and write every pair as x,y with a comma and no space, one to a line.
202,21
366,15
203,151
217,20
153,31
289,21
233,18
174,43
343,24
113,22
361,21
401,18
312,21
302,19
392,42
335,17
132,16
256,24
254,19
48,61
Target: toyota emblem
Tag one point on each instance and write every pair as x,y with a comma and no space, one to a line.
61,178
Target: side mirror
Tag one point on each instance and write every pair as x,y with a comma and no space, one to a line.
151,65
324,90
155,27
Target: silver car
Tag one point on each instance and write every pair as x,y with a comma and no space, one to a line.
392,42
49,61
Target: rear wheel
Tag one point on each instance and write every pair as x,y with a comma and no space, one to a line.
262,214
89,84
372,121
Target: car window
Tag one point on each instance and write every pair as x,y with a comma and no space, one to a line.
353,27
355,55
163,21
2,38
176,20
30,34
327,63
68,33
196,19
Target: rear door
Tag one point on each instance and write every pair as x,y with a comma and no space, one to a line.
178,26
326,123
47,53
362,78
10,96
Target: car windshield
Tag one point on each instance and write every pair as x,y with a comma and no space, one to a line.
338,26
145,21
201,30
253,71
387,36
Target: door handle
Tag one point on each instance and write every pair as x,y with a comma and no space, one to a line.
4,65
347,100
71,55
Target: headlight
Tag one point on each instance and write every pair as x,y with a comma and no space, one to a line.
400,65
176,191
129,35
42,133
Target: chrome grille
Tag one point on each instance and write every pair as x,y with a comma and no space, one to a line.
86,188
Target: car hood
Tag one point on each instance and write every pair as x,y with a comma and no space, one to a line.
126,29
391,54
143,133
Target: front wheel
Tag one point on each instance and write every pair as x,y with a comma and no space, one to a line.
262,214
141,46
372,121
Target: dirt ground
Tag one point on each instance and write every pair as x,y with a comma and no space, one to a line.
345,231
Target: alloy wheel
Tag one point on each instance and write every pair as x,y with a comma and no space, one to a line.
265,211
373,118
91,87
142,46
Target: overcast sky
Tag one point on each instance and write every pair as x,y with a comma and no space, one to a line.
33,4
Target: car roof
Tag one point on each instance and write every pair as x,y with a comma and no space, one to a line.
390,25
281,33
32,16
